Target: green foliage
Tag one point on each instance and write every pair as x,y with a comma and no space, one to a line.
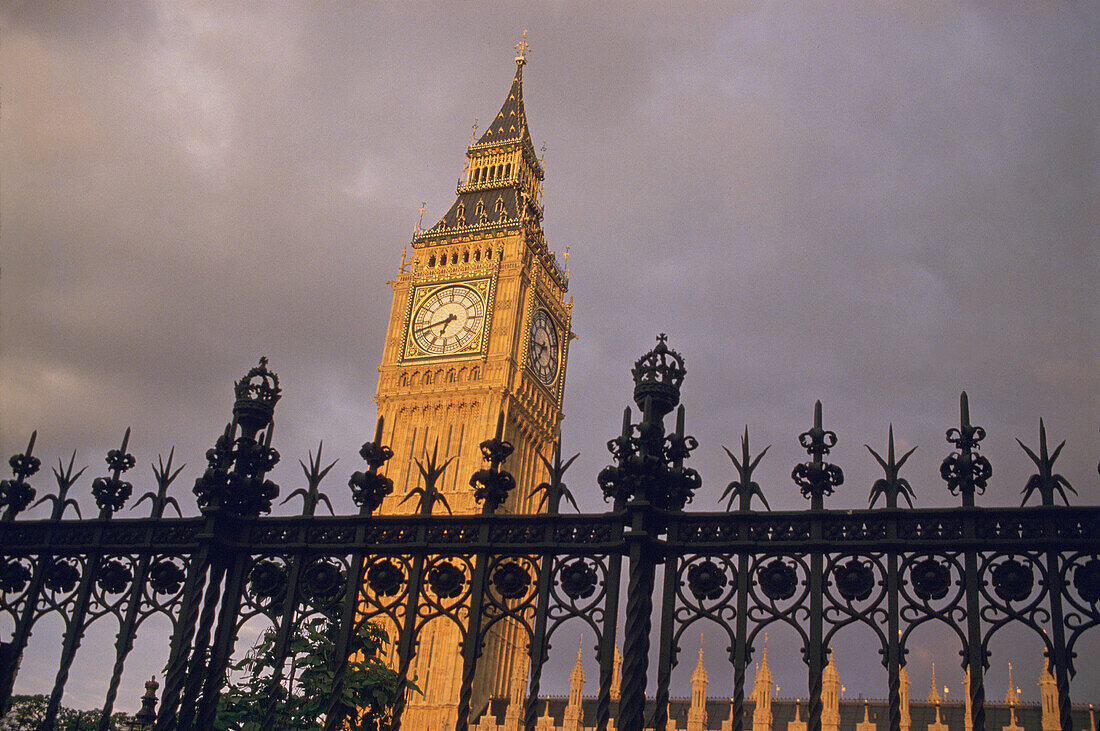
27,711
300,700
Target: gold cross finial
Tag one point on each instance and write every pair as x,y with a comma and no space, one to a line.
522,48
473,134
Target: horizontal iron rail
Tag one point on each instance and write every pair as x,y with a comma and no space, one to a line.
937,529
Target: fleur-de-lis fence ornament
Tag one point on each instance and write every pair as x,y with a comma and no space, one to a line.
492,485
817,478
1045,481
16,495
965,470
369,489
111,492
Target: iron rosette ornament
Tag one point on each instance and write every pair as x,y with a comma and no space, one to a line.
322,586
706,587
446,580
15,575
853,578
578,578
511,592
61,576
267,585
931,588
114,576
777,579
578,592
385,577
1081,594
1014,590
931,579
855,593
166,578
779,591
708,580
1086,579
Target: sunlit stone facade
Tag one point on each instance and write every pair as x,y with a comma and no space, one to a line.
479,327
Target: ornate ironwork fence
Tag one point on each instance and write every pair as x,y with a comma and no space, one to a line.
973,570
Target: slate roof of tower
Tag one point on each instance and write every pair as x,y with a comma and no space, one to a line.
510,124
463,211
509,127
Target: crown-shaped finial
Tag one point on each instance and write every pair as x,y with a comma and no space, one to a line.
257,393
657,376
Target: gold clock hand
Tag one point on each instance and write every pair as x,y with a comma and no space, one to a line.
444,322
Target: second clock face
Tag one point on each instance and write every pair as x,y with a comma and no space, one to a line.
542,353
448,320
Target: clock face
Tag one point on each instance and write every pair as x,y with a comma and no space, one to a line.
448,320
542,352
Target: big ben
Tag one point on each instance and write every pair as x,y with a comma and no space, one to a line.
479,327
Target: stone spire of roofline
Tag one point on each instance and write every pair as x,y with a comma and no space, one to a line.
700,669
934,695
765,671
1011,697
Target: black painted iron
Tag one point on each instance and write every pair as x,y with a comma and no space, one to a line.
892,569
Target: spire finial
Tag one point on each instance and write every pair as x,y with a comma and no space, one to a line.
934,695
420,221
522,48
473,132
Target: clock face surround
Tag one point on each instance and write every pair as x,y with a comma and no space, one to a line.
448,320
543,347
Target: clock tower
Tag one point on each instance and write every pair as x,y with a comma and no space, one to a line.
479,327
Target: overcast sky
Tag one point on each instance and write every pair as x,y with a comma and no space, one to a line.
876,205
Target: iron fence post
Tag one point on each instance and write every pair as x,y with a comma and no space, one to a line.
175,673
492,486
611,602
110,493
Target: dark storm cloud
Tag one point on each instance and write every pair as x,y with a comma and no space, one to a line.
877,205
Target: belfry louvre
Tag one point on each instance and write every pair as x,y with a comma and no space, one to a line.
462,550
